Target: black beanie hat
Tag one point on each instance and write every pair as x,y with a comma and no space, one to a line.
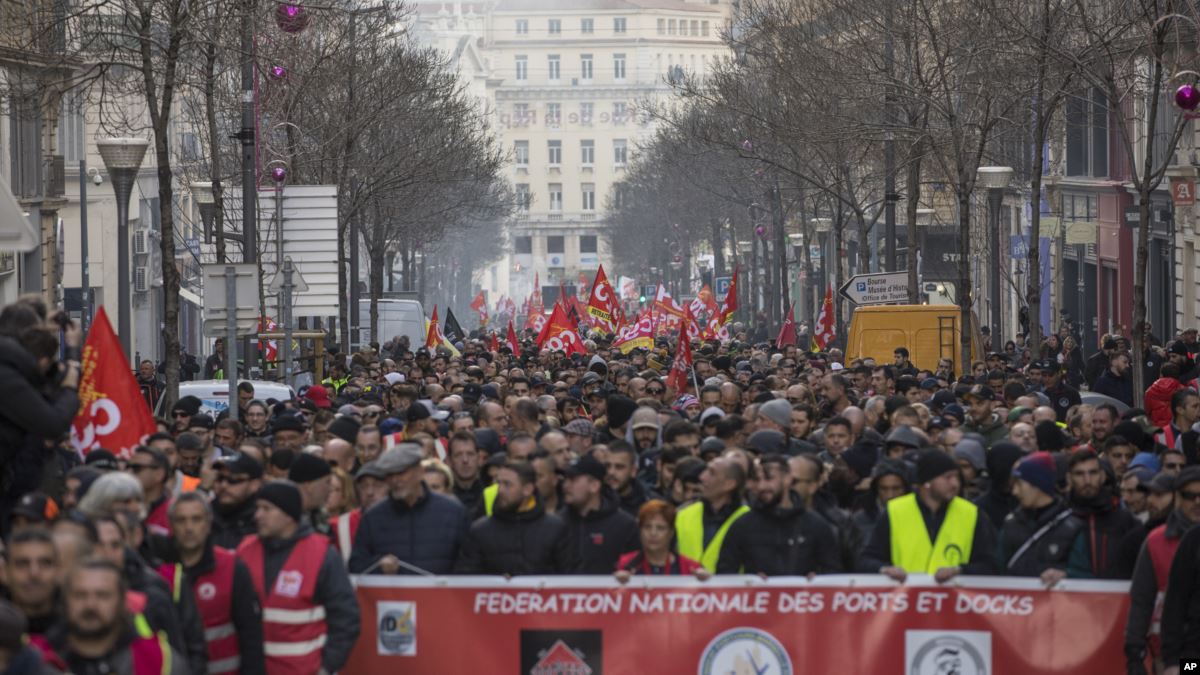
933,463
306,468
345,428
188,404
620,410
285,496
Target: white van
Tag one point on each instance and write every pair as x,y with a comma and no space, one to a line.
214,394
396,317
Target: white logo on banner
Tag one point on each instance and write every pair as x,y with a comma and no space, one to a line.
948,652
397,628
745,651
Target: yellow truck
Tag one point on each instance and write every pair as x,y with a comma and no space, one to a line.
931,332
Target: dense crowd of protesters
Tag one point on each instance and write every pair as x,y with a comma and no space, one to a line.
226,543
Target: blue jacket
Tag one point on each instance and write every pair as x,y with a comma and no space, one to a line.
427,534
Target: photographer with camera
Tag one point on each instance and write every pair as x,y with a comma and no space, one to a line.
40,392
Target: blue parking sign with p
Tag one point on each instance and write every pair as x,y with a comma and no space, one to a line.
723,285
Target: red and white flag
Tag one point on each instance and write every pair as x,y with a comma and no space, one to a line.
112,413
560,334
603,305
664,303
824,333
639,334
479,304
269,348
681,368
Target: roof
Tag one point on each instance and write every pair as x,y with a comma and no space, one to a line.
561,659
603,5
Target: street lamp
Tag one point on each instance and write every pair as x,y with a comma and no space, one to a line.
206,203
996,180
122,158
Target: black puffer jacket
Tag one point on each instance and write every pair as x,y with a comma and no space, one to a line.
998,501
28,415
1051,550
427,534
602,536
1105,526
518,542
779,541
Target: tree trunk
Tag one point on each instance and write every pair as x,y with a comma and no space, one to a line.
214,148
718,249
1139,294
912,189
963,295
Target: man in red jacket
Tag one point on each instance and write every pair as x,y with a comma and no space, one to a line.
223,588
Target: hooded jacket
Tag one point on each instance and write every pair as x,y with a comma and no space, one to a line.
1105,525
1158,400
778,541
28,416
602,536
993,431
426,534
998,501
516,543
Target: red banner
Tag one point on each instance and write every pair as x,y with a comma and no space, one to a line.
785,626
112,413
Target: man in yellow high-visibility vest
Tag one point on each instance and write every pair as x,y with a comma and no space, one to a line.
932,530
701,526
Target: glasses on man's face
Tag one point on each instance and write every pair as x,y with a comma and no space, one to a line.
1189,496
655,391
229,480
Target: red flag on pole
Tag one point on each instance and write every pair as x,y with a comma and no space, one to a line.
112,413
787,334
824,333
494,346
603,303
560,334
433,336
679,376
479,304
513,343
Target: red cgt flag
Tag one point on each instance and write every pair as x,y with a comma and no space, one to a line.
603,302
560,334
112,413
787,333
433,337
729,303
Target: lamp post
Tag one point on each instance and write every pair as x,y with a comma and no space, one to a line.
995,179
122,158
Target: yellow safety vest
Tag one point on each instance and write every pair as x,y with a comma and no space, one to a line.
489,498
689,534
911,549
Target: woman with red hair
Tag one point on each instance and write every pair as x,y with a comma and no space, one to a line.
656,527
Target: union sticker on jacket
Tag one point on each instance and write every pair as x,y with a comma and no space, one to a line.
288,583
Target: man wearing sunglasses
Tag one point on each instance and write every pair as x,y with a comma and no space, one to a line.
1168,559
239,478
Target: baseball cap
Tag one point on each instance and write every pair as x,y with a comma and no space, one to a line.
586,466
36,506
102,459
239,463
981,392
